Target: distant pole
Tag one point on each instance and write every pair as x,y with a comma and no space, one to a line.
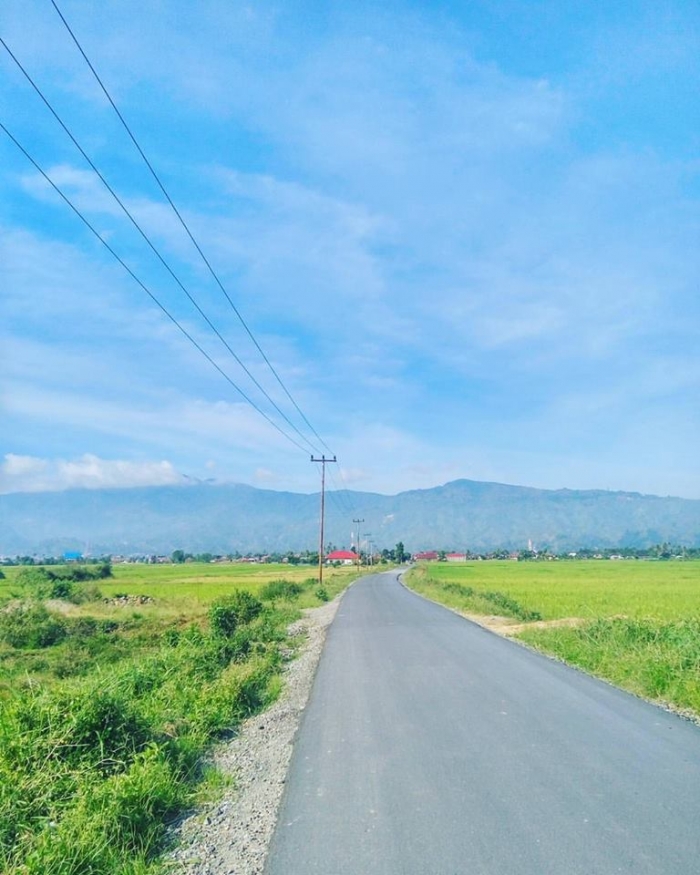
358,541
368,537
324,461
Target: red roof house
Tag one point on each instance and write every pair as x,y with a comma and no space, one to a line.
346,557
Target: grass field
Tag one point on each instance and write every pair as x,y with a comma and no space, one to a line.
634,623
109,699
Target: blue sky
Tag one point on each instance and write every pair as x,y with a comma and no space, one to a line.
466,235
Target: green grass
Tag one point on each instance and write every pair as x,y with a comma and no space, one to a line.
637,623
103,723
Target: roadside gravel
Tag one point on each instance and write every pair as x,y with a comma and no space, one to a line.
231,836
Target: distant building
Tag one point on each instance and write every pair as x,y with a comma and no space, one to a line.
72,556
426,556
345,557
456,557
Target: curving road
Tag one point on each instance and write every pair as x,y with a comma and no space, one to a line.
431,746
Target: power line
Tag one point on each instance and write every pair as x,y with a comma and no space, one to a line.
341,510
342,496
151,245
185,225
150,294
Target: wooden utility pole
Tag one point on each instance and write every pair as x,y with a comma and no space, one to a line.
324,461
357,543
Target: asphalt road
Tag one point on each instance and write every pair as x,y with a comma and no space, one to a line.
433,747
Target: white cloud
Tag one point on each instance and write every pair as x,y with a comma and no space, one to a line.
32,474
152,418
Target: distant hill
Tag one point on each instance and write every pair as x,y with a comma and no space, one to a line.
224,518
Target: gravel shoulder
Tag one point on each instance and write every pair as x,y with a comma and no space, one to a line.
231,836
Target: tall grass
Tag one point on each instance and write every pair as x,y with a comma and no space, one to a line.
95,762
657,660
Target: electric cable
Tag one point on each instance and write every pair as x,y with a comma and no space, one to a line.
342,496
131,273
151,245
185,225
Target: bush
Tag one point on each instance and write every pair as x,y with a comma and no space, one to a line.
228,613
103,727
36,582
322,594
57,583
61,589
30,626
281,589
87,593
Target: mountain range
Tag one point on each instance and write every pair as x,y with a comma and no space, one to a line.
223,518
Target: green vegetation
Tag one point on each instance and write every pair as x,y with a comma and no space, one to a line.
64,582
107,705
281,589
634,623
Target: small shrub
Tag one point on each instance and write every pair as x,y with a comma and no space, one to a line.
61,589
35,582
104,727
31,626
322,594
82,594
104,571
226,614
236,647
82,627
281,589
247,606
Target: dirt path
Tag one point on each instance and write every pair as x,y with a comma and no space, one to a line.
507,626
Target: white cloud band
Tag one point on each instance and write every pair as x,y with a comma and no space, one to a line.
32,474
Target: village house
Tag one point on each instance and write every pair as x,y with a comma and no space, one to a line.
345,557
426,556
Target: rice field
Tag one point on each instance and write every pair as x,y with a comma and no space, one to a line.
586,589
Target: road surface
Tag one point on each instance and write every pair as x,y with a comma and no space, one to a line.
431,746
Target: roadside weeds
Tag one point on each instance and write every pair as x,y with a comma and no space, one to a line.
233,833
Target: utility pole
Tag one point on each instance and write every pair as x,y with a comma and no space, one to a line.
324,461
357,542
368,536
